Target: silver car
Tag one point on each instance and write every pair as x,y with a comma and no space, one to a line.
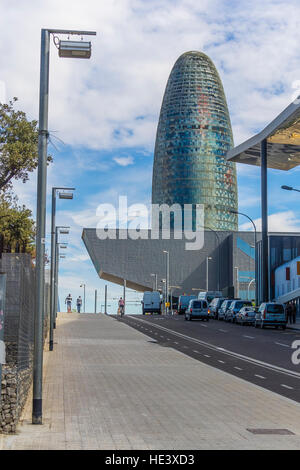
246,316
197,309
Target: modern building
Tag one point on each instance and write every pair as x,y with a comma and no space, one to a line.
230,269
284,251
193,137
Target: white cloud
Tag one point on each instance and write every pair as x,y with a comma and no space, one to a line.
286,221
124,161
113,100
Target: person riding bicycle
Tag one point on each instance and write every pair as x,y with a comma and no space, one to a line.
121,304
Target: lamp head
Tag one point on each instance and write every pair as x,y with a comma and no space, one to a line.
75,49
65,195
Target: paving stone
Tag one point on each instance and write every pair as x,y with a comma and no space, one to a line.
107,386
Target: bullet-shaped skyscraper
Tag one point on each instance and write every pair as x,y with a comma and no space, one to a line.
193,136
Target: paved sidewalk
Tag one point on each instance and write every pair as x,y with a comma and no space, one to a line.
293,326
108,386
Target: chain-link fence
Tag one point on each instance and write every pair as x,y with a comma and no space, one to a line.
18,336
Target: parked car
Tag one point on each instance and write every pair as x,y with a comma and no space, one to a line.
214,306
224,306
197,309
183,302
151,302
234,309
246,316
271,314
209,295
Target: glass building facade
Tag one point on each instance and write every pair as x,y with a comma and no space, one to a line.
193,136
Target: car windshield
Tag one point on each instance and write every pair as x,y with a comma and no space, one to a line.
242,304
275,308
196,304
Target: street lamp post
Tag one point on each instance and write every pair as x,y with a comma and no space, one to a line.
255,257
155,280
62,195
237,282
62,230
95,300
83,285
219,254
41,213
251,282
163,290
207,259
167,279
105,300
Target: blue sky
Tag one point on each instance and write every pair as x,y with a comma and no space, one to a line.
105,110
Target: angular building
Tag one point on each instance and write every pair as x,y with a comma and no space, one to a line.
193,136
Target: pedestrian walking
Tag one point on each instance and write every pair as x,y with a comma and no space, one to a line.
68,301
79,303
121,305
294,312
288,312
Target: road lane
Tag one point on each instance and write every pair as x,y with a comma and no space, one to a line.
229,351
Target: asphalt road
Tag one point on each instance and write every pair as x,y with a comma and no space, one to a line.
260,356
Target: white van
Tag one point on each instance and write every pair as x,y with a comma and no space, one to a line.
151,302
209,295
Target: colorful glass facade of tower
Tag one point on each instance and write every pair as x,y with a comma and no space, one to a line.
193,136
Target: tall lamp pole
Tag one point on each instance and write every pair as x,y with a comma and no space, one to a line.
78,49
62,230
219,254
207,260
255,257
167,279
83,285
62,195
155,280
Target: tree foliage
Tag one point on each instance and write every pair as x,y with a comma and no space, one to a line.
17,227
18,145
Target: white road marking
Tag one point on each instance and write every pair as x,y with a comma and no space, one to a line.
283,344
287,386
250,337
259,376
194,350
238,368
206,355
223,331
249,359
222,362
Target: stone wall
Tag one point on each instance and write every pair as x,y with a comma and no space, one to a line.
18,337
